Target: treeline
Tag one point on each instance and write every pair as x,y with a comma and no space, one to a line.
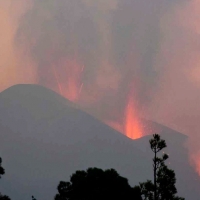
98,184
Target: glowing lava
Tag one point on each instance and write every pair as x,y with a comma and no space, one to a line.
132,126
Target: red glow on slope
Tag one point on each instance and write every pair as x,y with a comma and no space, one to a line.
116,125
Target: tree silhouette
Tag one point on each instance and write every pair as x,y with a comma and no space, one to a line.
2,172
4,197
33,198
163,187
97,184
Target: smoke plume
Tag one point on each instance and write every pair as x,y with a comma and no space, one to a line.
119,60
15,67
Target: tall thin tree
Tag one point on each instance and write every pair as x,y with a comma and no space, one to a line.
163,187
157,145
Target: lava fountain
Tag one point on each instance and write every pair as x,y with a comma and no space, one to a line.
132,125
68,78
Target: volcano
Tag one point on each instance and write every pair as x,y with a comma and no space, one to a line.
45,138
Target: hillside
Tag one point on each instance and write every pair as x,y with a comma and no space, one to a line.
45,138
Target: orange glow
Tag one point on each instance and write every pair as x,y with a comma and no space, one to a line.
73,83
57,81
194,161
15,66
115,125
68,78
132,126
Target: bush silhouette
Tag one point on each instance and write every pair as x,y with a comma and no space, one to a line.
97,184
2,172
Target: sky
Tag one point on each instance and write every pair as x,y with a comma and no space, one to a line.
108,56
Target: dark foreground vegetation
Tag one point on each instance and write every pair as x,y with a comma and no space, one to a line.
2,172
98,184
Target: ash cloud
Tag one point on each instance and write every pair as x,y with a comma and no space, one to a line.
14,66
151,47
116,41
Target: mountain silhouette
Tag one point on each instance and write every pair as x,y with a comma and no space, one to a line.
45,138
